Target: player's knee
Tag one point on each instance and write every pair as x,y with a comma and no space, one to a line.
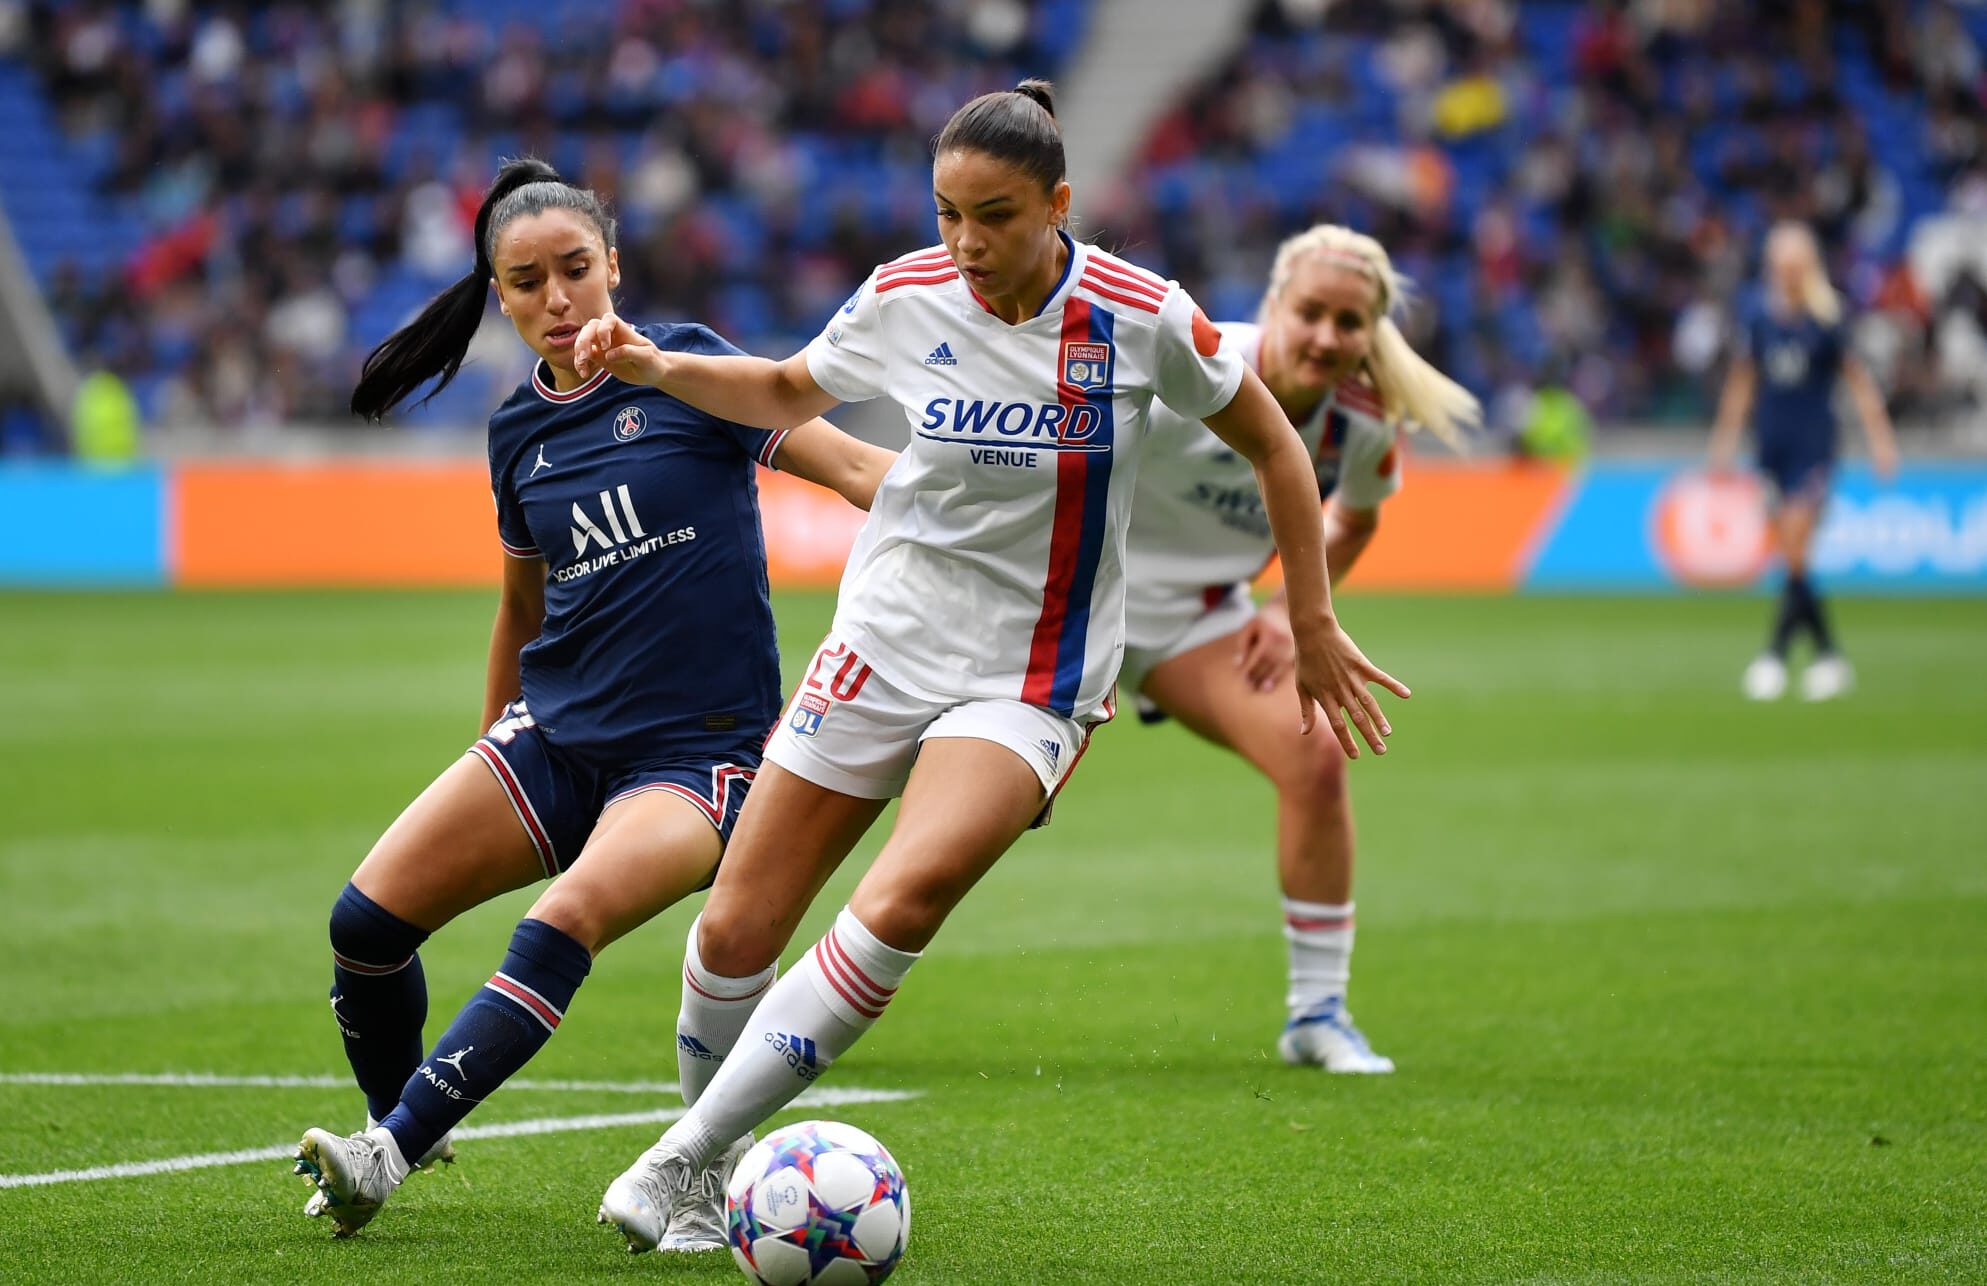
1313,773
573,914
730,947
364,932
905,917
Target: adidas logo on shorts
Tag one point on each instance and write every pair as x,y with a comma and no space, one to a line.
942,356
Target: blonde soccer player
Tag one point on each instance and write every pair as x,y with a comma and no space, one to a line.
1793,346
981,616
1197,646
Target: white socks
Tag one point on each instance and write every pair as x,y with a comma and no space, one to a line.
714,1012
803,1024
398,1167
1320,937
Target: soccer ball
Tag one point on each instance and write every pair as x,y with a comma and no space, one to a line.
819,1202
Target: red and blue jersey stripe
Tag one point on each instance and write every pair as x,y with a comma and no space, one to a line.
1076,539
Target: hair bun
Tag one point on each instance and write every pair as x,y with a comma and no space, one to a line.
1040,91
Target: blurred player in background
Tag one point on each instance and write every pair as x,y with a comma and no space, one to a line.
1196,645
632,677
980,622
1792,345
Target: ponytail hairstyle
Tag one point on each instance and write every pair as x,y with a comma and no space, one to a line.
1015,125
435,342
1814,293
1411,389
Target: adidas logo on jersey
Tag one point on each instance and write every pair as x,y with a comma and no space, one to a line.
942,356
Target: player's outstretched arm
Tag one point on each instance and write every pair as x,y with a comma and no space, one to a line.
1870,410
1331,670
1733,404
520,616
1266,651
828,457
754,391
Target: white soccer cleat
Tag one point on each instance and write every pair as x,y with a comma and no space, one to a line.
354,1177
1326,1037
698,1221
443,1153
642,1201
1826,678
1765,679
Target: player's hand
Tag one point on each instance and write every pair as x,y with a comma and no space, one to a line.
1883,459
1266,649
1333,672
611,343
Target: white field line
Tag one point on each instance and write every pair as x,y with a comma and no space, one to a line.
829,1096
206,1080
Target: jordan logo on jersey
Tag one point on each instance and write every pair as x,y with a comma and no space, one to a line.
629,422
542,462
1086,366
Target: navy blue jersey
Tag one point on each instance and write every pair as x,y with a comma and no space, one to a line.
658,636
1797,359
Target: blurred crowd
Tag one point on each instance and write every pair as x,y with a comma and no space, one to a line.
307,174
1579,188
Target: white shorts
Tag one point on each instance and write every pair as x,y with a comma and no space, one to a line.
851,730
1159,629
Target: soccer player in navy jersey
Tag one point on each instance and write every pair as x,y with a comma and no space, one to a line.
1793,344
631,682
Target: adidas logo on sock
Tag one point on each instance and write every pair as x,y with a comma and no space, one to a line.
697,1049
942,356
798,1051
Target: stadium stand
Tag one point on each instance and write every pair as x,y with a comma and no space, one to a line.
227,204
1580,189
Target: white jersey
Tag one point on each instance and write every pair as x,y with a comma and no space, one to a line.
992,563
1198,521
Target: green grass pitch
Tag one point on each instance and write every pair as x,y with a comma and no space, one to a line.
1681,988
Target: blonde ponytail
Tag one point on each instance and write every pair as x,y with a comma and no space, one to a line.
1412,391
1814,294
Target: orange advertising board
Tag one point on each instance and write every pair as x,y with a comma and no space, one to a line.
419,523
1458,525
318,524
429,523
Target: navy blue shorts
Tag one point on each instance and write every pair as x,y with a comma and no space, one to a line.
559,795
1798,470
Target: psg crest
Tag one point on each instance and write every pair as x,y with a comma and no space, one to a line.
629,422
1086,366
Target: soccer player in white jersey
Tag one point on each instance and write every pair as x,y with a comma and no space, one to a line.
1198,648
980,623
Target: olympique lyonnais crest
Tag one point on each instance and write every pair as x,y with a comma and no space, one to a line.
629,422
807,712
1086,366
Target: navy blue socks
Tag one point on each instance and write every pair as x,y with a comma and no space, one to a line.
378,995
496,1033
